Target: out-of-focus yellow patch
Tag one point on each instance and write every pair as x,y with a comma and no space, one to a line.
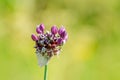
84,46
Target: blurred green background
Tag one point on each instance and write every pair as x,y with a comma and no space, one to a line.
91,53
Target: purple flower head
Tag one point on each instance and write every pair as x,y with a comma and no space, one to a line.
54,30
49,43
61,30
34,37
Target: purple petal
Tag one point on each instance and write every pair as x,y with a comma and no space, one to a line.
42,27
66,37
61,30
38,30
34,37
63,35
54,30
60,41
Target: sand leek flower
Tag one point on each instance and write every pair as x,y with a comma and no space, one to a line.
49,43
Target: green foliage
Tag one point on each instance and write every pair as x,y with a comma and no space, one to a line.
92,50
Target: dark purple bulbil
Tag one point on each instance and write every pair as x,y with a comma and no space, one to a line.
34,37
60,41
42,27
38,30
49,43
61,30
54,30
63,35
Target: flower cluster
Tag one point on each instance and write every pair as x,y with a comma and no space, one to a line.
48,44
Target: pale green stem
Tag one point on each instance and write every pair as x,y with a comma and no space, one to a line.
45,73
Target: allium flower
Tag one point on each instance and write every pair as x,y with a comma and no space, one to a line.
48,44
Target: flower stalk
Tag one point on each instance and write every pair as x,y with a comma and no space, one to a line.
45,73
